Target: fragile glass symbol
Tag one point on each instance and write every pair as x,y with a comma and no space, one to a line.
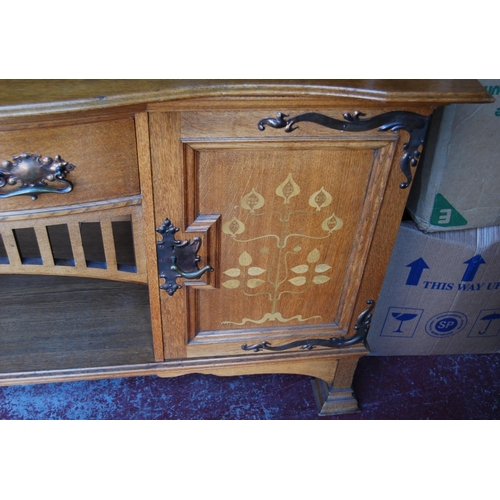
402,317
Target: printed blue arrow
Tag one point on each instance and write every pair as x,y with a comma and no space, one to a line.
472,267
416,269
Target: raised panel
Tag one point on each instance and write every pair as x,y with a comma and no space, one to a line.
296,223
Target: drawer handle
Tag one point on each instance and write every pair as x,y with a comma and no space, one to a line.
177,259
413,123
31,174
362,327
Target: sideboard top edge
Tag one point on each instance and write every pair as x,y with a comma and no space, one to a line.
39,97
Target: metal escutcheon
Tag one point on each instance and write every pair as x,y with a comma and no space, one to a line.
177,259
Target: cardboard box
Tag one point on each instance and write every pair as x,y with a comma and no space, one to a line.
441,294
457,185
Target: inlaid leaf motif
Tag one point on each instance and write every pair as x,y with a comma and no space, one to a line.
320,199
233,227
255,271
231,284
255,282
333,223
288,189
303,268
246,275
245,259
252,201
321,279
298,281
233,272
313,256
321,268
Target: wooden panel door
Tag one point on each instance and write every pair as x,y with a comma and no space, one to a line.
286,224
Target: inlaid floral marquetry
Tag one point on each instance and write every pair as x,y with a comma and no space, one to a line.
288,189
251,278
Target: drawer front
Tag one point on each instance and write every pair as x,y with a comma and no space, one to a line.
104,156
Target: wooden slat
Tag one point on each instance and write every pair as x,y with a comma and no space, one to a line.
10,244
76,244
44,245
137,235
109,243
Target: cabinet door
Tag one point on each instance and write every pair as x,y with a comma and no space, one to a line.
286,223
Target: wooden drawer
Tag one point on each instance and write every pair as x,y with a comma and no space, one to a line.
104,155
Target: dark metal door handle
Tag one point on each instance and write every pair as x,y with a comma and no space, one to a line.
191,275
177,259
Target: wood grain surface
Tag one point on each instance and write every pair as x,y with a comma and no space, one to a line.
32,97
299,227
50,323
104,244
104,155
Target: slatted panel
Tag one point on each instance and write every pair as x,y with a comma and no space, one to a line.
75,237
109,243
3,253
9,241
137,235
44,246
79,265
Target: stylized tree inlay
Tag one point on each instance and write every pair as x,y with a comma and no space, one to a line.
253,280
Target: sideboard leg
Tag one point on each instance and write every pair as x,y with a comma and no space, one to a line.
337,398
333,402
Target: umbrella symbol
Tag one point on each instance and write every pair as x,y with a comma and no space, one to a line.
489,318
402,317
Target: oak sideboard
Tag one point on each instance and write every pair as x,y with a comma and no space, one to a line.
227,227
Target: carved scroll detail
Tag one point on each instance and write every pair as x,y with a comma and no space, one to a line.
362,327
415,124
